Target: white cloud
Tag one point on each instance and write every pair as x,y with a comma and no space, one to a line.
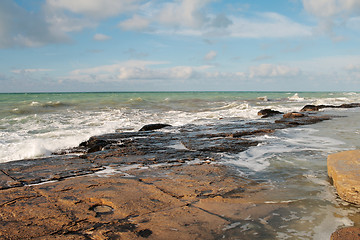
267,25
101,37
31,70
331,8
271,70
142,70
95,8
354,23
210,55
352,67
115,67
183,13
186,17
136,23
331,14
176,15
19,27
57,18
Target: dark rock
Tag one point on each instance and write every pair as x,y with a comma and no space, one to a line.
307,108
318,107
293,115
95,144
144,233
154,126
306,120
268,113
350,105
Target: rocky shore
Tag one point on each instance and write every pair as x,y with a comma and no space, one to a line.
155,184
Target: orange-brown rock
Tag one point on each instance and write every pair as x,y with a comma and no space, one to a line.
344,170
293,115
347,233
200,201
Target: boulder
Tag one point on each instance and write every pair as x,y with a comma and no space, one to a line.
347,233
344,169
268,113
94,144
155,126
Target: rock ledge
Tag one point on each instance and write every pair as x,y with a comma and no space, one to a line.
344,170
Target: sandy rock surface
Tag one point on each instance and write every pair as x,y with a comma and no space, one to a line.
344,170
200,201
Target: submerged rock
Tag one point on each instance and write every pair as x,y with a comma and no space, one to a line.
154,126
344,169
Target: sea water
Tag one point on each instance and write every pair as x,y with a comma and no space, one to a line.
292,161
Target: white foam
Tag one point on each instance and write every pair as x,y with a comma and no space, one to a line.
34,135
296,98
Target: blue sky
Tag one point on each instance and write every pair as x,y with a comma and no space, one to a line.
179,45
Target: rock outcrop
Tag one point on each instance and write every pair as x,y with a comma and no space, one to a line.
344,170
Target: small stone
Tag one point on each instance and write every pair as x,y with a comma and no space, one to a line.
102,209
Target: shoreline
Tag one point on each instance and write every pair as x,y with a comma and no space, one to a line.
146,184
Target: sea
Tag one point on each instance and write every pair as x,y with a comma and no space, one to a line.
292,161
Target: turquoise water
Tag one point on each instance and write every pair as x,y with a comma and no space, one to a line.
292,161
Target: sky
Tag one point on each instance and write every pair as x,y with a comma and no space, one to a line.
179,45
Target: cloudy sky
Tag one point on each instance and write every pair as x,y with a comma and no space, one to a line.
179,45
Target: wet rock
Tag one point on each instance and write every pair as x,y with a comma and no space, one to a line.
307,108
319,107
220,145
268,113
94,144
306,120
347,233
350,105
343,169
144,233
155,126
293,115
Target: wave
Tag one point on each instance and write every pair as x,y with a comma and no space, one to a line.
296,98
35,107
34,128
